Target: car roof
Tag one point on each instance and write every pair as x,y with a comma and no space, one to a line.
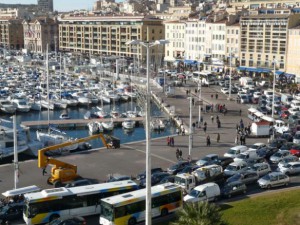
238,163
294,163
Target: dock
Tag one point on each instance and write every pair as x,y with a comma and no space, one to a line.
74,123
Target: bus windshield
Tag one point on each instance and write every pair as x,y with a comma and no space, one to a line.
107,211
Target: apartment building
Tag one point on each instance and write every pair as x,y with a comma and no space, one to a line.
11,33
45,5
264,39
254,4
107,35
233,43
197,42
293,53
40,32
175,33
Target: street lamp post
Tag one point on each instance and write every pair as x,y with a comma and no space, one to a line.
230,87
274,78
148,45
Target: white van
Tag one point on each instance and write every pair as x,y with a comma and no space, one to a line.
245,156
234,151
204,192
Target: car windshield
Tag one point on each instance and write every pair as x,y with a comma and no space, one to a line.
267,177
242,156
107,211
194,193
254,146
278,154
231,168
234,178
231,151
180,181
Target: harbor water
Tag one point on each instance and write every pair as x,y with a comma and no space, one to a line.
136,134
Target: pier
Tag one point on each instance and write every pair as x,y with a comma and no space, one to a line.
74,123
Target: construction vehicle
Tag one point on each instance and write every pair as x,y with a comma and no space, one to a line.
61,171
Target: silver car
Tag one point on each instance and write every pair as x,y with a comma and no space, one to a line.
290,168
278,156
260,168
273,179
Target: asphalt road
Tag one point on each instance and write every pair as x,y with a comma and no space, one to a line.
130,158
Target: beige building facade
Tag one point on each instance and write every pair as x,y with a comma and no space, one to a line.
293,52
107,35
264,39
233,33
254,4
175,33
11,33
39,33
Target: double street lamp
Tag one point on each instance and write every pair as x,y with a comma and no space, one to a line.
148,45
230,69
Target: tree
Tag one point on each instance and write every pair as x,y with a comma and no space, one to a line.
200,213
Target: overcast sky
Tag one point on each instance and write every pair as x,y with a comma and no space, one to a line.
60,5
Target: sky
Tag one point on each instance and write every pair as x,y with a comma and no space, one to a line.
59,5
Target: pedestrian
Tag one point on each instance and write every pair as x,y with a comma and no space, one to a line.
180,154
219,124
205,124
189,159
212,96
177,131
204,129
244,140
183,131
193,101
196,90
177,153
201,119
240,112
172,141
236,139
241,139
217,117
217,96
208,140
44,171
168,141
187,92
218,137
212,119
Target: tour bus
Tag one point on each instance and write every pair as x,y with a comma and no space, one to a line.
206,77
47,205
129,208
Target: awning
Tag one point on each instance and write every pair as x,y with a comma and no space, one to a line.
253,69
190,62
279,72
290,76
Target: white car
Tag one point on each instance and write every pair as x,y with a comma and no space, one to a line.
294,111
225,90
296,138
257,146
290,168
235,167
256,94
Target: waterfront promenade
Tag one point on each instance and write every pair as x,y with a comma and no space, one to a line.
130,158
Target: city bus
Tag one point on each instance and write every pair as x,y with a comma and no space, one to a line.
206,77
129,208
47,205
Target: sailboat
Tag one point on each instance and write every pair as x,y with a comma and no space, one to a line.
53,136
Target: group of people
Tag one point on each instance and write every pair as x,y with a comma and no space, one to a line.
241,138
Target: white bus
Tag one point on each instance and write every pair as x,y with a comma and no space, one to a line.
206,77
47,205
129,208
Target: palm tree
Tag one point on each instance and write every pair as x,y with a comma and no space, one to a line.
200,213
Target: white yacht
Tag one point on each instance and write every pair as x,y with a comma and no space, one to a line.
95,127
22,104
7,106
108,125
82,100
54,137
128,124
157,124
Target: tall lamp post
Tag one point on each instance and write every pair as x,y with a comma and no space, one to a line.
230,86
200,101
274,78
148,45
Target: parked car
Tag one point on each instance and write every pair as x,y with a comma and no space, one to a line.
296,138
153,170
208,160
278,156
235,167
189,169
257,146
233,188
246,177
288,137
176,168
11,212
77,183
288,159
155,178
260,168
291,168
295,150
273,179
267,152
225,90
168,179
69,221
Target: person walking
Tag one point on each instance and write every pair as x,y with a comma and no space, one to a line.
208,140
217,95
219,124
177,153
218,137
172,141
204,128
236,139
168,141
240,112
44,171
212,119
183,131
180,154
177,131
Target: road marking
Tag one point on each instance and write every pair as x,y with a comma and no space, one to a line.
157,156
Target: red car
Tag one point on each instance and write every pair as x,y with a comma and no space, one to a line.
285,114
295,150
